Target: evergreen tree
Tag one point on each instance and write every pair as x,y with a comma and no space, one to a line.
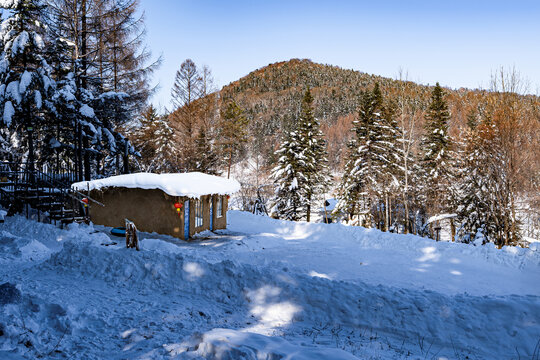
485,210
371,168
26,83
164,159
154,141
436,158
473,196
315,164
208,158
290,201
233,132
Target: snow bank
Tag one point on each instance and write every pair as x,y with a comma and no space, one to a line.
276,298
230,344
91,298
193,185
355,253
30,321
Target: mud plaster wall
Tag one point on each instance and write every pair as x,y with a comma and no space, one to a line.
220,222
152,211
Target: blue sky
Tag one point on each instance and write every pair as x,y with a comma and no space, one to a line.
457,43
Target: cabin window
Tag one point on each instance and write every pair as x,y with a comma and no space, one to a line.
219,212
198,213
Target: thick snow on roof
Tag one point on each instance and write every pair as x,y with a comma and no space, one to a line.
194,184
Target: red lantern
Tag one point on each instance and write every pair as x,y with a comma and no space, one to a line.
85,200
178,206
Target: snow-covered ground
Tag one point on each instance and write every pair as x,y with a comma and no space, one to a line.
263,289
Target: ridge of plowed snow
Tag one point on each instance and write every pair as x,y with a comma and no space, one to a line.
277,297
319,288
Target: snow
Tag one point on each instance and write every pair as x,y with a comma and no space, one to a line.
20,42
9,111
9,4
441,217
231,344
38,99
193,185
26,79
87,111
12,90
263,289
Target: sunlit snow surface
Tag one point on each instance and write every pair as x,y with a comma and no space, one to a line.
263,289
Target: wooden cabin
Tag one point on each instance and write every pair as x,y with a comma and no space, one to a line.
180,205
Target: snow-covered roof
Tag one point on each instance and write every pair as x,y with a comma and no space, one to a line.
441,217
193,185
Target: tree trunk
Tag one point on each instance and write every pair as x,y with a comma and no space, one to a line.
79,153
31,160
406,200
387,212
126,157
230,163
87,171
308,209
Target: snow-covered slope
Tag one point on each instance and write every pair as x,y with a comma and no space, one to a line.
262,289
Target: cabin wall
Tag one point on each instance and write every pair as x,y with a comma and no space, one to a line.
220,222
150,210
153,211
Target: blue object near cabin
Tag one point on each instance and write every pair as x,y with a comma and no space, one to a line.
186,220
211,215
118,231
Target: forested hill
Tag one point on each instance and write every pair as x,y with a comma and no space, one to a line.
471,144
271,98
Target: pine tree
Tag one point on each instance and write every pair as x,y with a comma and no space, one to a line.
154,141
485,210
371,168
26,83
208,158
436,161
473,191
164,159
290,202
233,132
315,164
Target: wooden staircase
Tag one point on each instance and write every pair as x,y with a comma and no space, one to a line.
47,197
